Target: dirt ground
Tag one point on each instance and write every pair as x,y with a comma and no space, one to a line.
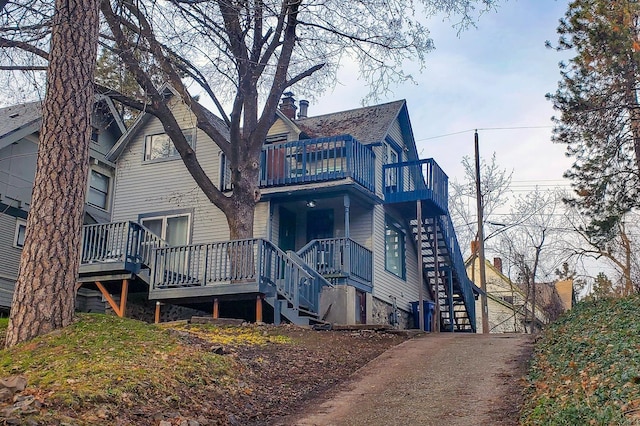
438,379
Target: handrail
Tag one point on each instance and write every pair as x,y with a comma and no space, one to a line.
339,256
227,262
424,178
126,241
449,235
314,160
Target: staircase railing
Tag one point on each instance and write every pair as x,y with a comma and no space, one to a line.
339,257
127,242
448,233
239,261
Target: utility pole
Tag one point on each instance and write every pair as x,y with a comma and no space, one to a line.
483,277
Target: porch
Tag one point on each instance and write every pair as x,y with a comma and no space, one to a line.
313,161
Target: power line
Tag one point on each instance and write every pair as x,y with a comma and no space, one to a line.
485,128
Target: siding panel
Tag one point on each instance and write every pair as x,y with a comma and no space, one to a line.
9,255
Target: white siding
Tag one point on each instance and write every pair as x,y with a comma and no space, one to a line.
148,187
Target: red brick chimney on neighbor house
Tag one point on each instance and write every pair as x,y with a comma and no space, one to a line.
497,263
289,108
288,105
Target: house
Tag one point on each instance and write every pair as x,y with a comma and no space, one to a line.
19,133
335,231
566,292
509,308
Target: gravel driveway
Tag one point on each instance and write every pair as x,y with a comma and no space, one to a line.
438,379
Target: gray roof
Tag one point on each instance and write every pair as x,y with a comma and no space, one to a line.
16,117
367,125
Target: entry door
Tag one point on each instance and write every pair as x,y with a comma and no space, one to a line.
319,224
287,230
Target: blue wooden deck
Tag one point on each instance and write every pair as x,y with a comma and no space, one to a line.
417,180
314,160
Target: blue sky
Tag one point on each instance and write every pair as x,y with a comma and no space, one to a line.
492,76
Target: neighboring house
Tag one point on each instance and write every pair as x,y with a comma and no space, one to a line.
566,292
505,300
334,230
19,133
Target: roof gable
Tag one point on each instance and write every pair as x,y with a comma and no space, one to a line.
143,118
367,125
18,121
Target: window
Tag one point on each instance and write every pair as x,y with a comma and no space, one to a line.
160,146
94,134
394,249
391,156
98,190
174,229
21,228
225,173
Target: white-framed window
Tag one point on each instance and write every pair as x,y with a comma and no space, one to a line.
394,240
21,229
173,228
98,194
160,146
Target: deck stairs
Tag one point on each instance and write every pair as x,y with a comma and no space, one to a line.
444,270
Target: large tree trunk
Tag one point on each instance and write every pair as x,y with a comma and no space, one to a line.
44,297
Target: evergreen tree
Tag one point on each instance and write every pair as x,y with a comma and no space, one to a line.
599,118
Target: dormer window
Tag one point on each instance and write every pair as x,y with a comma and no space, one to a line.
160,146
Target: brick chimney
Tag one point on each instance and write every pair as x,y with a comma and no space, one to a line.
304,106
474,247
288,105
497,263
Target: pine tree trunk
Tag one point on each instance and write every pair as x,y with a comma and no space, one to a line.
44,297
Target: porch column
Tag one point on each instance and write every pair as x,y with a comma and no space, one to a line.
347,235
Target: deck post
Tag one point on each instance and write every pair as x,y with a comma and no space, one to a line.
451,310
123,297
259,308
347,235
157,316
216,308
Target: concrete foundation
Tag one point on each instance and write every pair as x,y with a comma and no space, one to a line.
342,304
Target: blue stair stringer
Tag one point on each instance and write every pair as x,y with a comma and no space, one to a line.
454,289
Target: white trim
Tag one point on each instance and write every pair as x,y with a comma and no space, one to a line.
19,223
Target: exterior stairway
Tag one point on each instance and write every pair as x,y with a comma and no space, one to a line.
444,270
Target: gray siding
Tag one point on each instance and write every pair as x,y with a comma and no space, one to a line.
148,187
17,170
385,283
6,292
9,255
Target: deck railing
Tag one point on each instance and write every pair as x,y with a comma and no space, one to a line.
339,257
239,261
126,242
314,160
416,180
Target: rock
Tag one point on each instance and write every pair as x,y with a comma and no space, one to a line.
164,423
5,394
14,383
218,350
193,423
12,421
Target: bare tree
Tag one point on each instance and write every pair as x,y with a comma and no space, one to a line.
249,53
495,183
534,247
44,297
